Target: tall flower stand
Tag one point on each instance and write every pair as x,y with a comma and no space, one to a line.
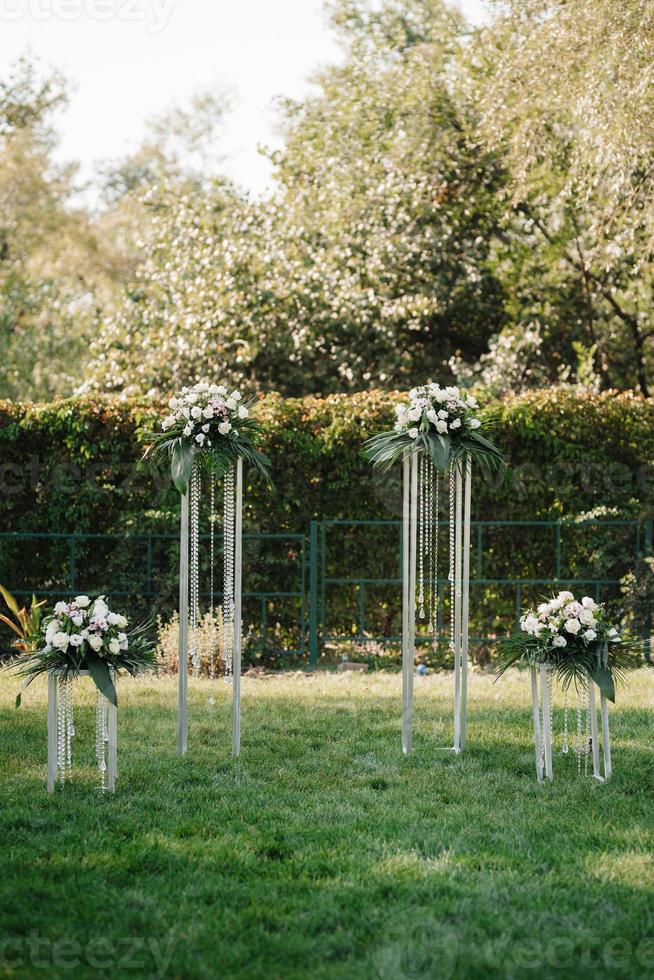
61,730
232,592
420,577
587,734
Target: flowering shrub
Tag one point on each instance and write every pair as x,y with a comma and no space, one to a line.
439,421
206,418
575,637
84,634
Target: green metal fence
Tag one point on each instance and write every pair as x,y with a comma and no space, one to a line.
512,563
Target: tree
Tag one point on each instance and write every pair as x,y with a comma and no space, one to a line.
369,264
565,96
52,277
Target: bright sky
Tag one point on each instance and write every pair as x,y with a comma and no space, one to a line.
130,59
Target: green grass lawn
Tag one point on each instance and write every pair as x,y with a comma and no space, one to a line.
322,852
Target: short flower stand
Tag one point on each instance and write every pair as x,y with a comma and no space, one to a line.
542,708
61,730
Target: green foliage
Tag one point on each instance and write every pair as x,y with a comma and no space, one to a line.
72,467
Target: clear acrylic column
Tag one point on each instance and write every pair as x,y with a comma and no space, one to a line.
542,697
413,513
232,590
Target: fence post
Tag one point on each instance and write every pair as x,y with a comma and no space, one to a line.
313,593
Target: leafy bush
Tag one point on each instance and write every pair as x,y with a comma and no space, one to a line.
71,466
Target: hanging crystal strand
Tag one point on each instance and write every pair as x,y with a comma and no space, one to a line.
61,728
579,739
229,517
70,728
434,550
212,601
430,542
421,536
587,732
566,744
541,744
550,695
101,737
451,574
195,569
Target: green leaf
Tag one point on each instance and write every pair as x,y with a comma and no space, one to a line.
99,671
181,465
9,599
604,680
26,683
438,447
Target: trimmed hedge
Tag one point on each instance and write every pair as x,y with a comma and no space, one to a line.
71,466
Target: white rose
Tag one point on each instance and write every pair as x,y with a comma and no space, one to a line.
573,626
589,603
114,646
399,427
122,639
221,390
529,624
452,392
432,416
413,394
61,609
60,641
236,395
443,413
100,608
77,620
188,431
243,412
456,424
168,422
544,607
586,617
205,428
559,641
196,412
95,642
590,635
112,619
53,627
82,601
208,412
200,437
413,433
566,596
474,424
231,404
414,414
76,640
224,428
441,426
555,603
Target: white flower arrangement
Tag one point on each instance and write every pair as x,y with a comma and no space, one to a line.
210,422
84,634
575,638
563,617
447,410
440,421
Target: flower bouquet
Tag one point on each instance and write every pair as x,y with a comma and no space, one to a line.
210,425
84,634
575,639
441,422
